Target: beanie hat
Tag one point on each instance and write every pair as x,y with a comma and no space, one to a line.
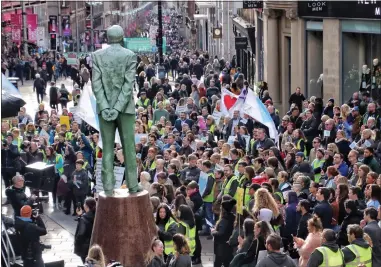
26,211
331,100
299,154
228,205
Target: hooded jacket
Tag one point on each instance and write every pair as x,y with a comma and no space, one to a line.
349,256
317,258
276,259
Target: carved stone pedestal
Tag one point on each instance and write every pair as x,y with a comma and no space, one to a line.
124,227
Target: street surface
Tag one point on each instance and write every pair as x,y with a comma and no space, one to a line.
61,228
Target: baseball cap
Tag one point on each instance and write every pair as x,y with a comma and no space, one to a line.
355,108
299,154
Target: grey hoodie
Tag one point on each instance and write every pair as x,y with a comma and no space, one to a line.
279,259
316,256
349,256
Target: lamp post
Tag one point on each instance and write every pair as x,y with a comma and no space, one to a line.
25,27
160,68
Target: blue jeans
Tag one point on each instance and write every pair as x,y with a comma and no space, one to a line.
208,214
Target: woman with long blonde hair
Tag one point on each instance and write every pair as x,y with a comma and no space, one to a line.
264,200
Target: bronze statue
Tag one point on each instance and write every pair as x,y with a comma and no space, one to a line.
112,83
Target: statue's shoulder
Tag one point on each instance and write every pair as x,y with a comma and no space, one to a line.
129,52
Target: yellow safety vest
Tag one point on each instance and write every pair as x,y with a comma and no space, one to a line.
298,147
315,164
144,104
211,128
190,234
227,185
210,198
330,258
246,195
168,245
363,256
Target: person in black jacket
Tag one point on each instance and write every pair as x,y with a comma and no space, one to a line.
16,195
80,182
304,208
224,228
29,229
324,210
9,154
163,216
297,98
84,229
354,216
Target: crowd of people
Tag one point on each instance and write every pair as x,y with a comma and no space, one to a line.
311,199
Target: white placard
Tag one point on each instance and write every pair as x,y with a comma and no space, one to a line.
118,172
327,133
352,145
76,116
367,143
231,139
217,116
247,139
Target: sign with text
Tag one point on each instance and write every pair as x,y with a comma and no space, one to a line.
118,172
53,25
336,9
241,43
252,4
66,29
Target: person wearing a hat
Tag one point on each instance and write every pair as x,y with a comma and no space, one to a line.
328,110
29,229
222,232
143,101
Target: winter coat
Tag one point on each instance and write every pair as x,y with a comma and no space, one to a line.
181,261
324,211
29,233
374,232
276,259
224,229
292,216
156,262
302,227
83,232
17,198
352,218
62,188
53,95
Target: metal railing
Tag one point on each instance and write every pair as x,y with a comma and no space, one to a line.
7,252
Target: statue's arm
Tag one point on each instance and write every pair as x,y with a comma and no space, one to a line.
127,88
97,86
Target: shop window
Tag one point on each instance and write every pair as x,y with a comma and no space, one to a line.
359,49
314,64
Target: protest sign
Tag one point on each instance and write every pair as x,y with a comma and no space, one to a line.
202,181
76,117
118,172
65,120
138,137
240,193
217,116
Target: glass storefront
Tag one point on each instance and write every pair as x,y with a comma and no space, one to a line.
361,42
314,58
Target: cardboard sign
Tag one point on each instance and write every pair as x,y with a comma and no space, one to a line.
118,172
65,120
76,117
240,193
138,137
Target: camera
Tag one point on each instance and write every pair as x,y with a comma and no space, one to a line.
43,246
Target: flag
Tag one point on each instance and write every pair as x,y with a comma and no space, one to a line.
254,107
248,103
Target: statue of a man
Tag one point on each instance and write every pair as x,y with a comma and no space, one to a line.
113,79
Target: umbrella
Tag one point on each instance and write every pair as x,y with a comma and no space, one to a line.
11,104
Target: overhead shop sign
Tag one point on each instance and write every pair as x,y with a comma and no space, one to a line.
252,4
241,43
337,9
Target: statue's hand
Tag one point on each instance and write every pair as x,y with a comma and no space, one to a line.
113,114
105,114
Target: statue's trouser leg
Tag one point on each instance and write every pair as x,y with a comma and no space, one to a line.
126,126
107,130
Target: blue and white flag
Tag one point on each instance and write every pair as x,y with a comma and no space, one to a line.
7,86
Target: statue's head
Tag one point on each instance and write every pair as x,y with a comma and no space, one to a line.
115,34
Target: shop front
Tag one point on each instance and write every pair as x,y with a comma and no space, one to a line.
245,55
343,48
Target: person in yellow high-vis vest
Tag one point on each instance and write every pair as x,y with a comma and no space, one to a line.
359,251
230,185
208,196
328,254
187,226
167,226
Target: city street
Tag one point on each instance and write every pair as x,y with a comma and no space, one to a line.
61,228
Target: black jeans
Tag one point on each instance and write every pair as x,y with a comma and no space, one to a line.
54,193
40,97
